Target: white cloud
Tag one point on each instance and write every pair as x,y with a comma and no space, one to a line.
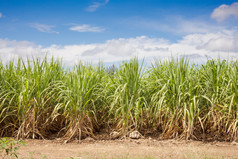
44,28
223,41
10,49
224,11
0,15
195,26
96,5
195,46
86,28
175,25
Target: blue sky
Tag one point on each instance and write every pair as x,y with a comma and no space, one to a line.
113,30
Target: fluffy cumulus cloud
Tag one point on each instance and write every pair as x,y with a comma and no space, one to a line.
223,41
175,25
12,49
195,46
225,11
44,28
86,28
96,4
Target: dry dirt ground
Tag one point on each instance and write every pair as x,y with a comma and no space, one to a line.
127,148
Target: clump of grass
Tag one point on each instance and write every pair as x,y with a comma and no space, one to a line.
127,96
40,98
78,99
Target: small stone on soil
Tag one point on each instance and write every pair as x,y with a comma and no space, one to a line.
89,139
135,135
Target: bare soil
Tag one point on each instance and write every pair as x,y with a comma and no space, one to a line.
127,148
